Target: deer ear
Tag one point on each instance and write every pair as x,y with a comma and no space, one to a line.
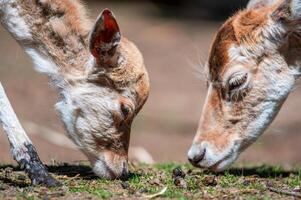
104,37
254,4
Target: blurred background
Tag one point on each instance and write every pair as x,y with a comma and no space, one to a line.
174,37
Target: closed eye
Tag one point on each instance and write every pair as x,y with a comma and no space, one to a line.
237,81
237,84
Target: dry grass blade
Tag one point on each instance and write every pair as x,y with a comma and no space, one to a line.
285,192
157,194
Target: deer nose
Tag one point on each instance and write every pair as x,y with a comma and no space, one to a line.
196,154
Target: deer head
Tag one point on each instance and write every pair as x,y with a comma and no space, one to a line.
98,110
99,74
252,67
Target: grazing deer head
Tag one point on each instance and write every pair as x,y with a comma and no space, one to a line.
100,75
253,64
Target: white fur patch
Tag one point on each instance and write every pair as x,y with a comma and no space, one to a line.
13,21
296,8
101,170
107,167
194,151
253,4
41,62
66,110
278,87
12,128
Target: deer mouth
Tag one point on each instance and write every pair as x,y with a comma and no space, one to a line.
111,172
222,164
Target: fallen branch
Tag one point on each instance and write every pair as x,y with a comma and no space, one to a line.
285,192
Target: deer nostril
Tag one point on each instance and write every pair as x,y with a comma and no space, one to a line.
197,157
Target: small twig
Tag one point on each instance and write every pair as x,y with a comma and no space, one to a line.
75,177
157,194
286,192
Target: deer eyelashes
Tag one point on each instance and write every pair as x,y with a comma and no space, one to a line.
236,85
104,37
237,80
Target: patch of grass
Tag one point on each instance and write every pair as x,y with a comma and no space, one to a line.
91,188
228,180
145,180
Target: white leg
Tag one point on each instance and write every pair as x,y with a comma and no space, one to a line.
22,148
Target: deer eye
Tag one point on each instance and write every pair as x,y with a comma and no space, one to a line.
237,80
125,110
236,84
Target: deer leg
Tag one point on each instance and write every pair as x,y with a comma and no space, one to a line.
21,147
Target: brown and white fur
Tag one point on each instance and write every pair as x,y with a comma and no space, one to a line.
99,75
253,65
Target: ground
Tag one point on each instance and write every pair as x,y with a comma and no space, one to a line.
174,49
161,181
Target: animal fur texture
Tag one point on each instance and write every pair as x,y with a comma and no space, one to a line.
99,74
253,65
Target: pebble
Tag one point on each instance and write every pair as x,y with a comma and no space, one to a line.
178,172
155,181
125,185
209,180
180,182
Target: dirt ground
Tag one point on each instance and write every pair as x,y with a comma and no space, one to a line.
160,181
174,50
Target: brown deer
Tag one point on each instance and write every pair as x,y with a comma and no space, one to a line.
99,75
253,65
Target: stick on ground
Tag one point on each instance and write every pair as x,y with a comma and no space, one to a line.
286,192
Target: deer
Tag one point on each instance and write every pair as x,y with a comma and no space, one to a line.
253,65
100,77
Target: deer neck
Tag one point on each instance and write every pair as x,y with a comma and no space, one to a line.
52,32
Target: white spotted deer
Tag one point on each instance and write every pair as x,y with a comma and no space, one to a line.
253,65
99,75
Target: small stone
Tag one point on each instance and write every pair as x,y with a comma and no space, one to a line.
131,190
21,177
178,172
246,182
143,190
125,185
209,180
296,189
3,187
269,184
180,182
8,171
155,182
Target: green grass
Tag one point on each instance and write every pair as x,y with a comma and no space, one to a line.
145,180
